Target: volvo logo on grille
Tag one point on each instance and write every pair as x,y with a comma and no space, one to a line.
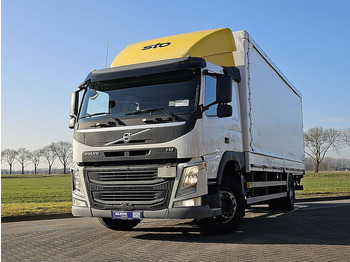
126,137
91,153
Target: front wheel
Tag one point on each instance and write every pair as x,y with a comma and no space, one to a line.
119,225
232,207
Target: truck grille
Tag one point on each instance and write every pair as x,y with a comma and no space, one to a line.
127,175
136,198
135,187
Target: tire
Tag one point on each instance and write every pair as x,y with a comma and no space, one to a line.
286,203
118,225
233,210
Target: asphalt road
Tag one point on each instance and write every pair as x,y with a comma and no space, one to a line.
313,231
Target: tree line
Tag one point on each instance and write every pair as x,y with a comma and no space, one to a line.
319,140
329,164
57,150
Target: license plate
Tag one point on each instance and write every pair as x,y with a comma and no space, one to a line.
127,215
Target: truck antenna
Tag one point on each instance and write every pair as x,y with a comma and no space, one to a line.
107,54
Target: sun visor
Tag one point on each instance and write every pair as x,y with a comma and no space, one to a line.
215,46
148,68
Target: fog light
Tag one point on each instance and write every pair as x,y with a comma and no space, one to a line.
189,202
79,203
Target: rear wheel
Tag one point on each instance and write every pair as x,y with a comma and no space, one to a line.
119,225
286,203
232,206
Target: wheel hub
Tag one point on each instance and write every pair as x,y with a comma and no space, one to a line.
228,206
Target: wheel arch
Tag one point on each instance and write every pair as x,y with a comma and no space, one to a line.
230,161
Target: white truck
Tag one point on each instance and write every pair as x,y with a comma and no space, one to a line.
191,126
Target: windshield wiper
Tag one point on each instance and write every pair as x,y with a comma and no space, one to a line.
150,110
96,114
115,119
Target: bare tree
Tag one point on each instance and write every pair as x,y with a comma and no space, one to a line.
8,156
64,153
346,136
35,159
318,140
23,156
48,152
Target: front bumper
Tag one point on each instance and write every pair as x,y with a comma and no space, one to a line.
169,213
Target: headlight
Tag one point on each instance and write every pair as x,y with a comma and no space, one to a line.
77,186
189,179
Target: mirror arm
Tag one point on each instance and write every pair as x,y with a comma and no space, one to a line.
84,84
204,108
207,73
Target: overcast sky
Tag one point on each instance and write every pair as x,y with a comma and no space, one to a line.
48,48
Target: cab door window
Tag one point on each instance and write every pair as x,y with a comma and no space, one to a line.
210,95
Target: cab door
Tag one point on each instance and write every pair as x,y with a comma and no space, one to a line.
220,134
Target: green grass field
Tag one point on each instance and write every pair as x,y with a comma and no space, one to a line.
35,194
42,194
325,184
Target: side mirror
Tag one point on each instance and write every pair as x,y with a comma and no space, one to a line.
223,89
74,101
224,95
224,110
72,122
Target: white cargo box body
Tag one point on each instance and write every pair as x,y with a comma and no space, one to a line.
271,110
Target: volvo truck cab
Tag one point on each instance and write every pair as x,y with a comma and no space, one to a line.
160,135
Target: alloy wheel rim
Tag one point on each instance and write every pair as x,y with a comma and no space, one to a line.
228,206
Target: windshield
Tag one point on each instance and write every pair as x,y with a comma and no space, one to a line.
160,94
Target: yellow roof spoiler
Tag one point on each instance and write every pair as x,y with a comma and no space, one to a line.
215,46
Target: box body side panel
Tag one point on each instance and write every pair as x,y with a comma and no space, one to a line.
271,109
